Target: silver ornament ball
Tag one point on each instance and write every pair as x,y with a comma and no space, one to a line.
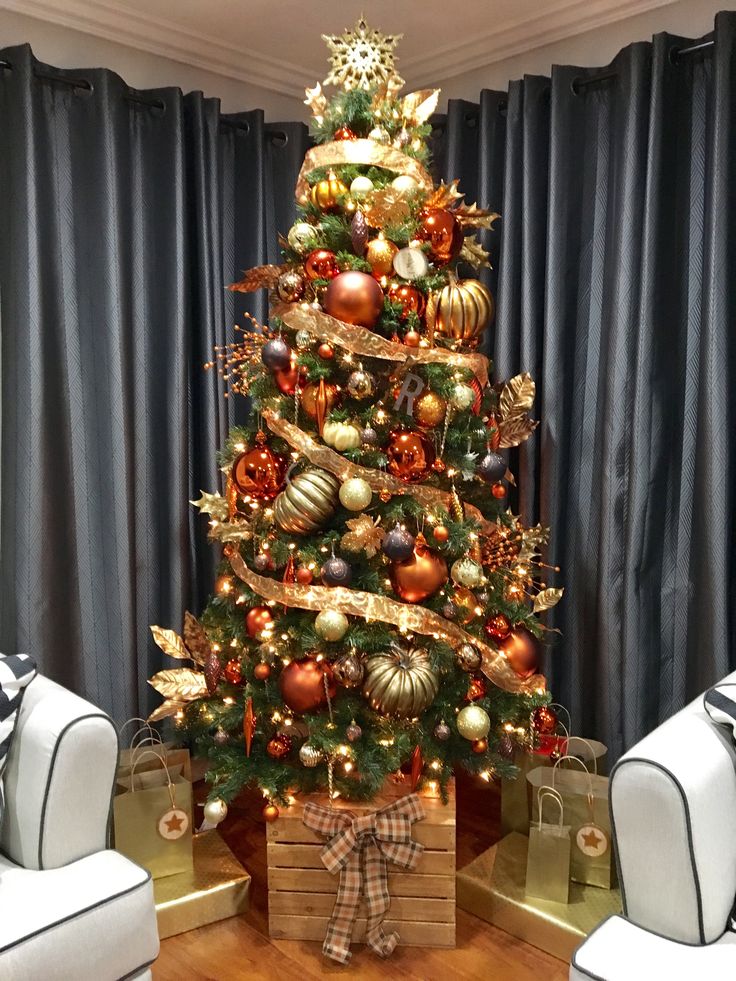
302,237
353,732
348,670
336,572
303,339
220,736
215,811
369,436
463,397
361,384
466,572
442,731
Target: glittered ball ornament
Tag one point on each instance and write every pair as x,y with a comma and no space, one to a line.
348,670
259,473
303,339
354,298
336,572
522,650
258,621
290,286
379,253
463,397
467,572
468,658
544,720
410,455
476,690
331,625
356,494
398,544
279,747
353,732
262,671
369,436
327,194
262,562
304,575
302,685
321,264
442,732
491,467
361,384
344,133
360,188
441,229
307,503
233,672
429,410
276,354
473,722
302,237
421,575
310,756
215,811
498,626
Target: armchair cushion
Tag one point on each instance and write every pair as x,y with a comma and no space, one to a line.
16,673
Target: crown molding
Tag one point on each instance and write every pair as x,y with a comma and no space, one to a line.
555,24
145,32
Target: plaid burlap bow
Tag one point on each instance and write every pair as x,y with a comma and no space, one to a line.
359,848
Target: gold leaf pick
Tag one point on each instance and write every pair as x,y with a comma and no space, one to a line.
417,107
444,196
474,254
547,599
165,710
196,639
214,504
258,278
515,430
517,396
179,684
171,643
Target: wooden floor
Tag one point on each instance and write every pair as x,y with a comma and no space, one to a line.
240,947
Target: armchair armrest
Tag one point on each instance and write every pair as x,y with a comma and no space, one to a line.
59,779
673,812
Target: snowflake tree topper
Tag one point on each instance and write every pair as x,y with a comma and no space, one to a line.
362,58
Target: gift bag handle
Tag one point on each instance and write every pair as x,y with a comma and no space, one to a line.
152,737
169,782
569,756
556,796
590,795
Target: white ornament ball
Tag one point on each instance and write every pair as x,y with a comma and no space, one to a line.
466,572
331,625
309,755
302,237
463,396
473,722
356,494
215,811
361,187
405,184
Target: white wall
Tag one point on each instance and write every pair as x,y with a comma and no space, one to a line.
689,18
67,48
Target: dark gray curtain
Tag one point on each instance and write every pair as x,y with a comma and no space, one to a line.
123,216
617,266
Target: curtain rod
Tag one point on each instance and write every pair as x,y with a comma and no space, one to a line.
582,81
86,86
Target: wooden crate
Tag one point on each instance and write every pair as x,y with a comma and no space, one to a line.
301,892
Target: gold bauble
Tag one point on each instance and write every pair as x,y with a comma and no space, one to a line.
421,575
331,625
355,494
307,503
400,682
379,253
302,237
429,410
461,311
473,722
466,604
326,194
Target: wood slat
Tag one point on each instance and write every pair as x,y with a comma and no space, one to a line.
440,837
399,883
412,934
322,904
308,857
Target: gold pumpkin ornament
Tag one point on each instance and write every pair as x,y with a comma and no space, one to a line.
307,503
400,682
326,193
461,311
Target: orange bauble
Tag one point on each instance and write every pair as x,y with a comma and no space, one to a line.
412,338
270,812
262,671
410,455
304,575
233,671
522,650
498,490
443,232
259,472
421,575
410,298
286,378
309,398
321,264
302,685
355,298
257,620
379,254
440,533
479,746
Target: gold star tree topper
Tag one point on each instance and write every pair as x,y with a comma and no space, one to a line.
362,58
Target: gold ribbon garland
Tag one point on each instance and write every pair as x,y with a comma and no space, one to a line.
363,342
406,617
328,459
359,152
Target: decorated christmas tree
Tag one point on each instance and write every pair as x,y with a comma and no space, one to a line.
378,602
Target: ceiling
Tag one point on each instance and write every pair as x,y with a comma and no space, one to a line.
277,45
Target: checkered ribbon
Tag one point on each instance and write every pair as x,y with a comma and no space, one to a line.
360,848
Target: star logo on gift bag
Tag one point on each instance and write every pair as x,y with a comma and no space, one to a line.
592,841
173,824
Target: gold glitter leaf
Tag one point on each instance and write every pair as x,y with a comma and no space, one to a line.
474,254
547,599
171,643
168,708
417,107
214,504
195,638
179,684
258,278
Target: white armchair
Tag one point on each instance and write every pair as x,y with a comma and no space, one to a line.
71,909
673,813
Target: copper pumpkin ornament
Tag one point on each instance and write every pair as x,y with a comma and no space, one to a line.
259,472
421,575
400,682
461,311
442,230
354,298
410,455
302,685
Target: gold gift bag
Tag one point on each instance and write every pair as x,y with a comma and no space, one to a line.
153,817
548,856
585,798
515,797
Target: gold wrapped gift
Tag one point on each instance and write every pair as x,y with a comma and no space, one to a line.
216,888
492,887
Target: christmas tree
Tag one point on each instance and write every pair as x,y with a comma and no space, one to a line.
378,602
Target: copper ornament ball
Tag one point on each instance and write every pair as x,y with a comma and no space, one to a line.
302,686
498,491
233,672
262,671
544,720
270,812
410,455
326,351
379,254
321,264
344,133
412,338
476,690
440,533
258,619
411,299
287,378
309,398
522,650
259,472
480,746
441,229
354,298
421,575
279,747
304,575
498,626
